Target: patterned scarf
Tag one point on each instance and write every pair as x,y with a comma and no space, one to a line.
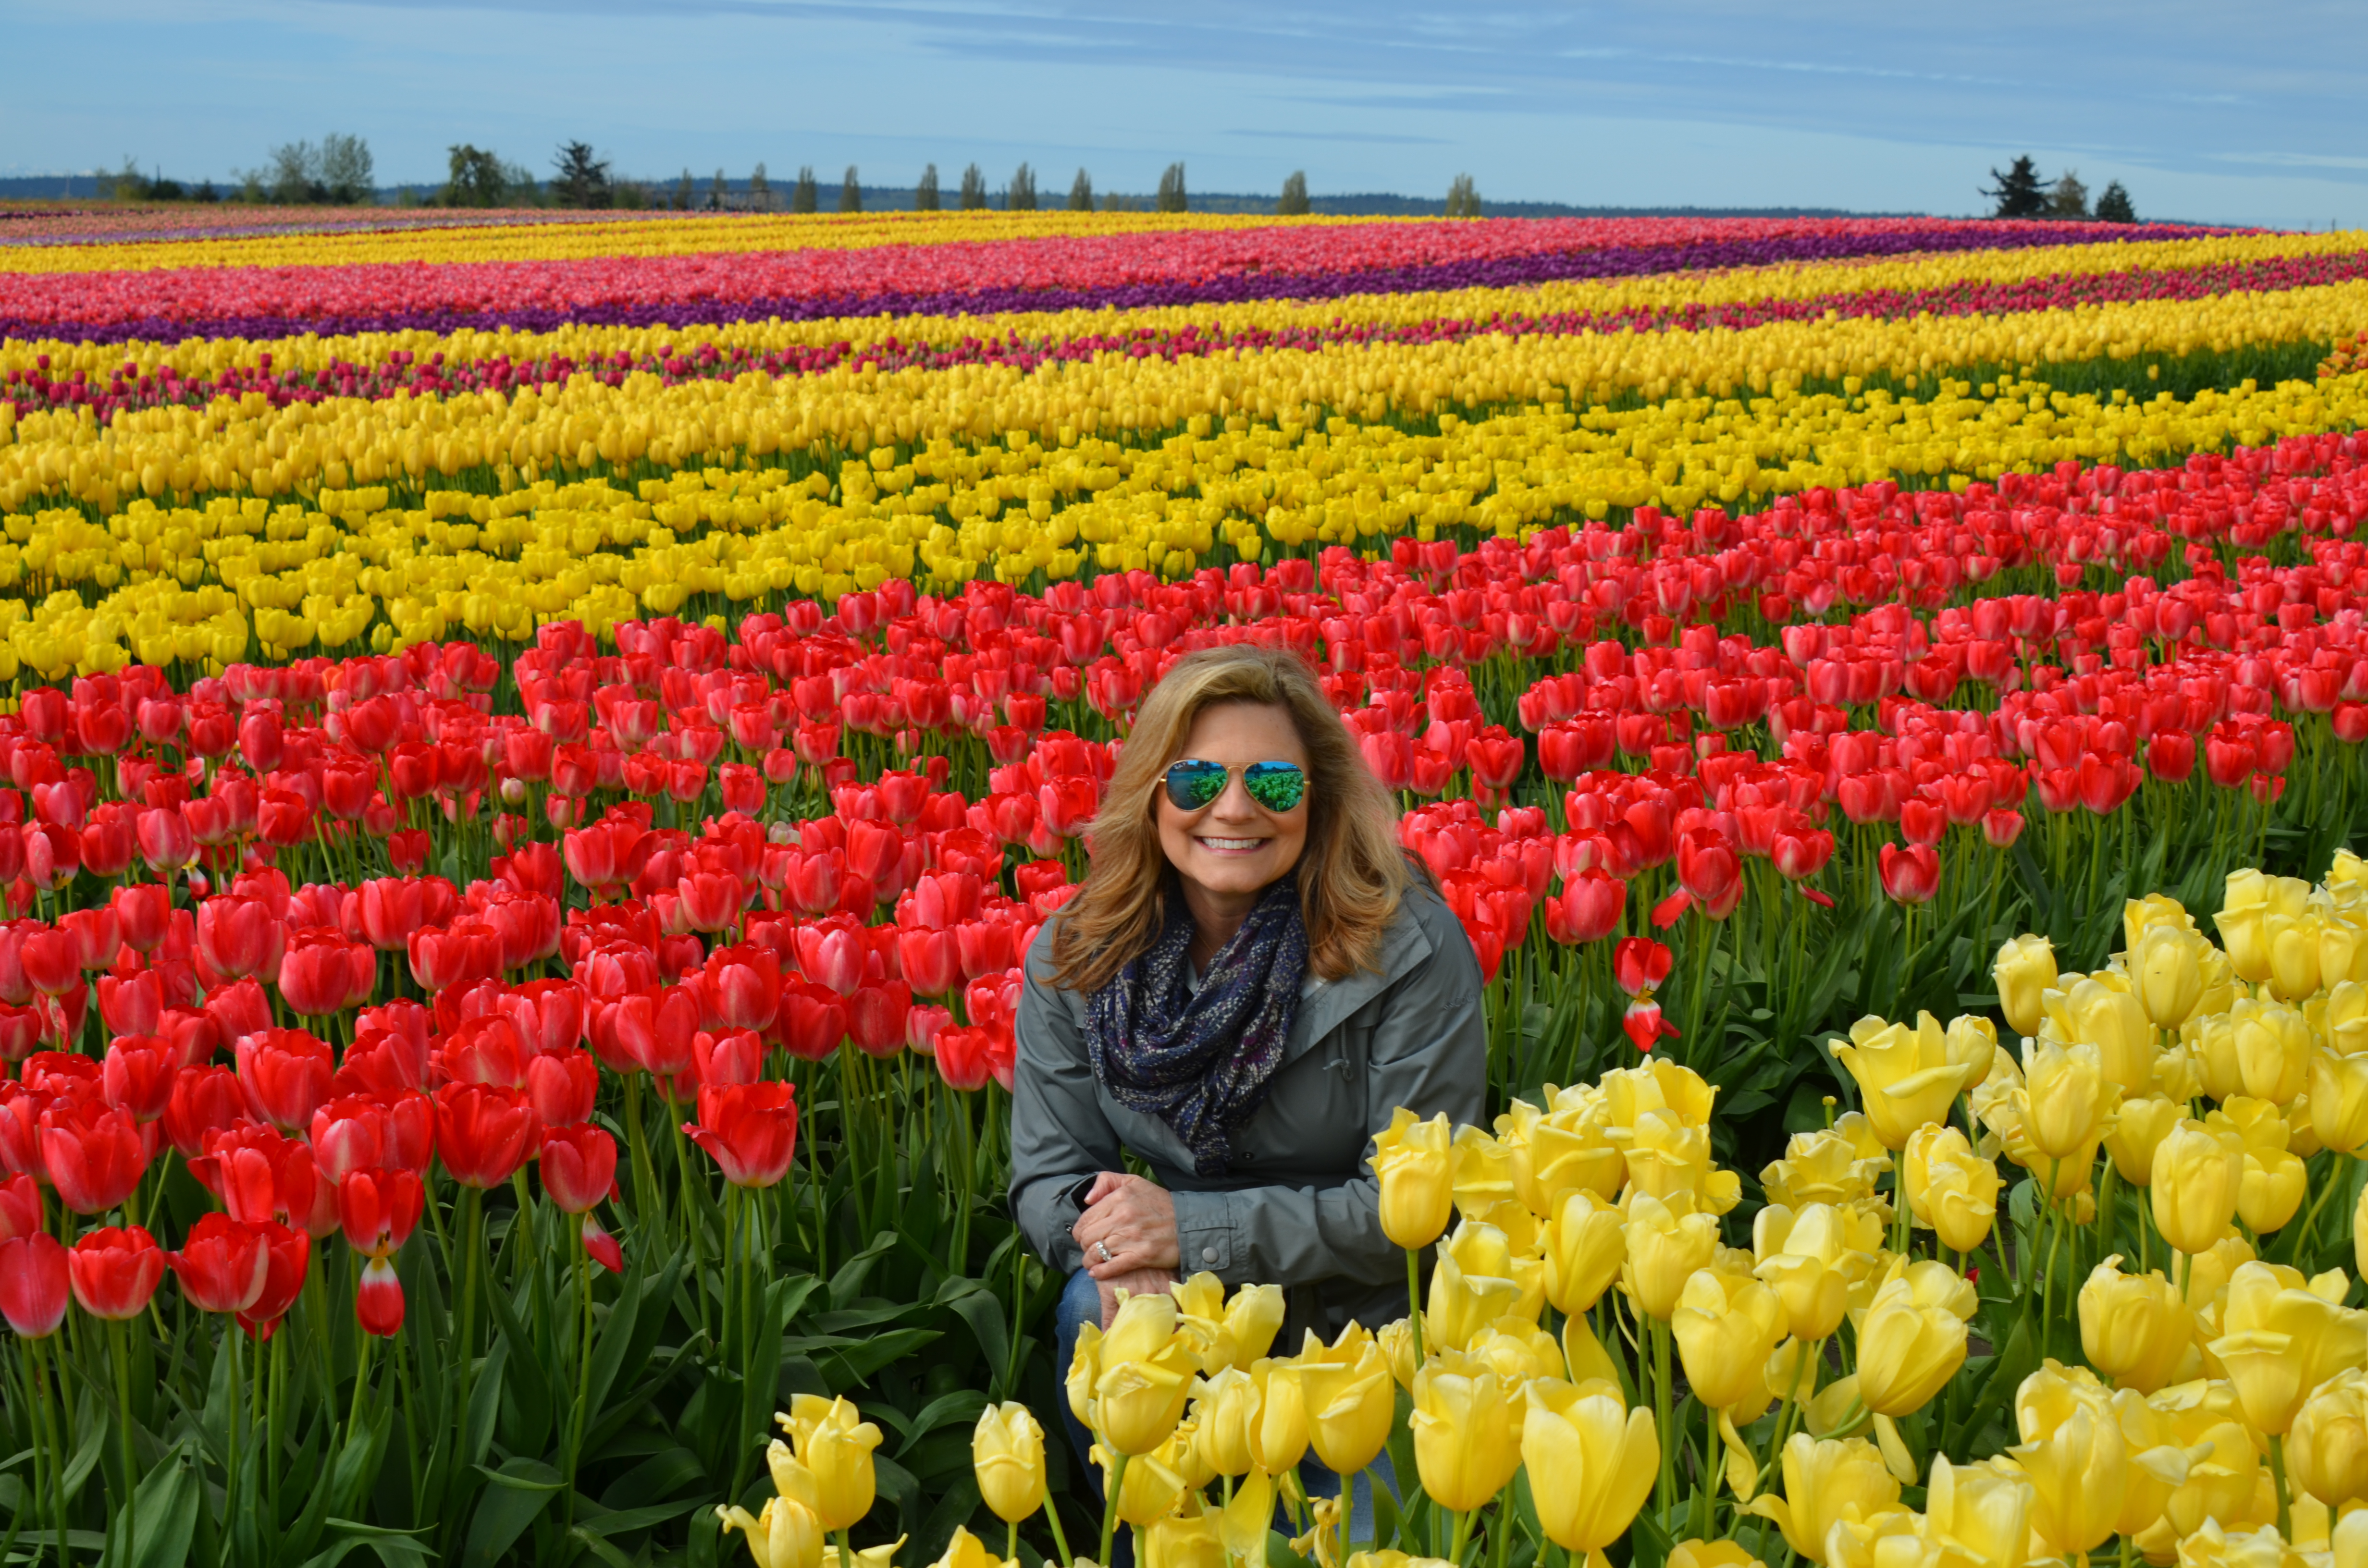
1200,1060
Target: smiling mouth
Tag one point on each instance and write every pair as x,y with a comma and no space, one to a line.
1231,846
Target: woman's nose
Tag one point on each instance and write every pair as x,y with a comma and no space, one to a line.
1235,804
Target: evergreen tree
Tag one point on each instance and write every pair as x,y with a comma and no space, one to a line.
802,194
1294,195
1462,197
760,190
2067,197
206,192
2113,205
850,192
1081,194
925,195
2020,192
475,179
717,189
582,179
973,190
1019,196
685,192
1171,188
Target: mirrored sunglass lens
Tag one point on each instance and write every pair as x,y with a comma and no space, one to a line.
1192,785
1277,786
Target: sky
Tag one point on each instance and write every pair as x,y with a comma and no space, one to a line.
2205,111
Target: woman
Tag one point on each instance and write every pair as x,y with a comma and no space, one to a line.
1250,980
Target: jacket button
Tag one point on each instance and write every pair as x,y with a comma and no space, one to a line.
1208,1255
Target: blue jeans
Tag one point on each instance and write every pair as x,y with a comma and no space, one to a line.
1081,1303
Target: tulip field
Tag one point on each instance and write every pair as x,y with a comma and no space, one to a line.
536,747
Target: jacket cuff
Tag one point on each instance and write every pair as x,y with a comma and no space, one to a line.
1204,1232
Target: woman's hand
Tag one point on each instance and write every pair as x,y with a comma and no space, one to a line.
1128,1228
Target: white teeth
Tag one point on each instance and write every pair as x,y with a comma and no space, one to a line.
1232,843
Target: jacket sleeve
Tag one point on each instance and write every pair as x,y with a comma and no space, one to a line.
1429,1052
1058,1131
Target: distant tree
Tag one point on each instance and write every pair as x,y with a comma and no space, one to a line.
802,195
292,174
850,192
925,195
582,179
128,184
973,190
473,178
1019,196
1081,194
1294,195
1171,188
632,196
2113,205
347,177
760,191
518,187
206,192
1462,197
161,189
685,192
2020,192
2067,197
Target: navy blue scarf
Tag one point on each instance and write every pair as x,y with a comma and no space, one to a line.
1200,1060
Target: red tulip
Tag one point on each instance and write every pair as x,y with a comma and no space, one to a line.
223,1265
968,1056
257,1175
378,1210
1640,964
20,1207
238,1011
563,1087
144,914
922,1026
482,1132
165,839
601,1245
462,954
832,956
550,1014
286,1074
488,1048
392,1128
744,984
930,960
94,1157
1910,875
322,973
1587,909
875,1018
33,1283
733,1056
204,1101
377,1298
813,1021
1709,870
53,961
1644,1024
115,1270
240,937
2001,827
287,1255
1801,856
655,1028
749,1129
578,1165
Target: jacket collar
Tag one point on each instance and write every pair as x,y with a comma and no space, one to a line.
1324,1004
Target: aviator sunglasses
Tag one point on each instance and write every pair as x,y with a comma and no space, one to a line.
1192,784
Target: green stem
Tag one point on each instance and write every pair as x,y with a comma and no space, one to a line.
1060,1537
2278,1475
1661,1405
464,1342
1413,1302
1462,1533
1110,1485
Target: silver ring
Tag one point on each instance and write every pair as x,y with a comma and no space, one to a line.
1103,1248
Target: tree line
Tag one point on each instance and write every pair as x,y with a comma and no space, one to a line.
2021,192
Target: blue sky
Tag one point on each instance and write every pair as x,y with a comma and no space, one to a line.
2207,111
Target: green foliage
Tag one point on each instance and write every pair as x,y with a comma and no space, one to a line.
973,190
2067,197
582,178
2020,192
925,195
1019,196
475,179
850,192
1462,197
2113,205
761,189
1081,193
1171,188
1293,201
804,196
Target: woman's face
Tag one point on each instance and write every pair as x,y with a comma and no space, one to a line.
1234,845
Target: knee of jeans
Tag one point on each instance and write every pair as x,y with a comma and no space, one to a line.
1081,1303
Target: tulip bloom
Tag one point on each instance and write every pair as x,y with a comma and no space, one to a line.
1467,1431
139,1075
1827,1481
115,1270
578,1165
223,1266
1349,1400
94,1157
1591,1463
1007,1455
286,1076
749,1129
2198,1170
1727,1325
322,974
378,1210
2326,1448
482,1132
34,1271
1413,1160
287,1255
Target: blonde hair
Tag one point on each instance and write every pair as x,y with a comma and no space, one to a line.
1351,873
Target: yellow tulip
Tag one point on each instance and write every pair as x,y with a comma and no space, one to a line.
2252,898
1710,1554
2340,1018
1279,1437
1141,1376
1827,1481
2225,1471
2140,915
2213,1545
2070,1102
1253,1317
1413,1161
884,1554
2339,1100
1950,1187
1151,1488
785,1535
1249,1516
2273,1050
1476,1280
1665,1246
1586,1242
2133,1328
964,1550
2360,1235
1905,1077
2295,943
2079,1467
1624,1095
1467,1431
2025,967
1978,1513
1668,1156
1007,1449
2141,1124
1583,1357
1831,1166
1908,1348
1223,1417
838,1454
1807,1259
1176,1542
1553,1154
2167,968
1397,1342
2271,1190
1518,1350
1971,1042
2347,1542
1350,1400
2327,1449
1591,1463
1727,1325
2278,1343
2197,1168
2116,1022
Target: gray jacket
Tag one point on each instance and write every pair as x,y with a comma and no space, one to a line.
1300,1209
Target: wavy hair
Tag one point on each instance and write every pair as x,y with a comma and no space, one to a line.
1352,872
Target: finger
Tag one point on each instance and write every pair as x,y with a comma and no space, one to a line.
1105,1183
